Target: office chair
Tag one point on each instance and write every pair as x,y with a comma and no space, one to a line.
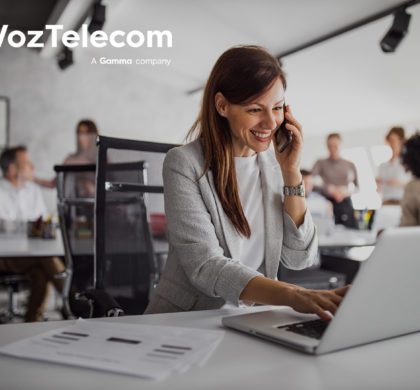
11,282
75,203
126,263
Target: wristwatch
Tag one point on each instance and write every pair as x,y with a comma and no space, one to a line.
294,191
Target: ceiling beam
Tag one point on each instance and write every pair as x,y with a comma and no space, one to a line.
350,27
335,33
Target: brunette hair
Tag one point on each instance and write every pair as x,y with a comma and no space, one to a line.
398,131
90,124
241,74
92,129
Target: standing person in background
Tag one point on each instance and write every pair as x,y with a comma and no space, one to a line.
339,181
410,157
21,200
86,131
83,187
392,177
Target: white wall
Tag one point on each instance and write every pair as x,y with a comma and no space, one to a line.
46,104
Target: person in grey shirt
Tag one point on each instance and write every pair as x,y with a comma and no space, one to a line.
337,181
230,184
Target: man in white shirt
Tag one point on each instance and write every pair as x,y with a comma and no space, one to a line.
21,200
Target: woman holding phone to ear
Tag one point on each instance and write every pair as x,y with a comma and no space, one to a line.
235,206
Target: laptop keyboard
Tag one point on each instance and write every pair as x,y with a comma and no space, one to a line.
314,329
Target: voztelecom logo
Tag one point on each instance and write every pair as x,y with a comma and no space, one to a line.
99,39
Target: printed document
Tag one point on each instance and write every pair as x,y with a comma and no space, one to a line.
146,351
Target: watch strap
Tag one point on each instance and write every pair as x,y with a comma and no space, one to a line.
294,191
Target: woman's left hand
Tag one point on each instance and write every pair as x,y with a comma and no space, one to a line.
290,158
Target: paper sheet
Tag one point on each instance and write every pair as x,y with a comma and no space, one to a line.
147,351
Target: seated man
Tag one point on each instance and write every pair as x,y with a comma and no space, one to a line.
21,200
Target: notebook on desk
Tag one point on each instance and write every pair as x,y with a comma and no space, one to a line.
382,303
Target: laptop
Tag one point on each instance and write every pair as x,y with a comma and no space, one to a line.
382,303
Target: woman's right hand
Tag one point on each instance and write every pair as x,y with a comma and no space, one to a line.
267,291
317,301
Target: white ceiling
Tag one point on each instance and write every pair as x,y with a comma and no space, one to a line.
344,84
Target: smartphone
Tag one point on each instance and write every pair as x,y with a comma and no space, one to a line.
283,136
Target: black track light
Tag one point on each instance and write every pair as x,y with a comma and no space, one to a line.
65,58
397,31
98,17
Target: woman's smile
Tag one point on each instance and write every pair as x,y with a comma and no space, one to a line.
261,136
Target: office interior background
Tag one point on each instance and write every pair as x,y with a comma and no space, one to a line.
345,84
338,80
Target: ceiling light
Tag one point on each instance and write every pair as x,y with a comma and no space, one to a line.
397,31
98,18
65,58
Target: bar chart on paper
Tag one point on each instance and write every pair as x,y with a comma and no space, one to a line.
150,352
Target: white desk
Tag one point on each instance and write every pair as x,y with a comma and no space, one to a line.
12,245
240,362
21,246
341,237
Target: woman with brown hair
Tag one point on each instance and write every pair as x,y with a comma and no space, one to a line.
86,132
235,206
392,176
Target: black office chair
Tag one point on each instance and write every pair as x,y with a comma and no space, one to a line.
11,282
126,263
75,203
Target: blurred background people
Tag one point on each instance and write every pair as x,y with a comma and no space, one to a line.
21,200
410,204
392,176
83,185
336,179
86,132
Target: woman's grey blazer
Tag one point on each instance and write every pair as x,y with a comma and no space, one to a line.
203,269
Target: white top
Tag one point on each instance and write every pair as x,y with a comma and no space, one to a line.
250,194
392,170
24,204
